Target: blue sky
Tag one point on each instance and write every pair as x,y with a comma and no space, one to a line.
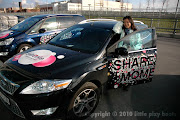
30,3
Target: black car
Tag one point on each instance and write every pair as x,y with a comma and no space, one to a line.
66,77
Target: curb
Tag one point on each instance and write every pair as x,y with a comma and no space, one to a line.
177,36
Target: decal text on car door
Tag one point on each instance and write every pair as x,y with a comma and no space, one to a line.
126,70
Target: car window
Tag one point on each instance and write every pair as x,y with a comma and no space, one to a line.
50,24
137,41
26,24
83,39
114,39
36,27
78,18
65,22
147,37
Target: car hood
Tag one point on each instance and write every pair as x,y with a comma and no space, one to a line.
8,33
48,61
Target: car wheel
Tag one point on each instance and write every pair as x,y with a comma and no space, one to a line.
84,101
24,47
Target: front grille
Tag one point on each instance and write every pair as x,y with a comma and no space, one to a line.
7,85
13,107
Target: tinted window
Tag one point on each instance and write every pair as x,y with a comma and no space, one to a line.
78,18
137,41
65,22
146,36
81,39
26,24
114,39
50,24
36,28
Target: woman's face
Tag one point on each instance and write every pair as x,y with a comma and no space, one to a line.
127,23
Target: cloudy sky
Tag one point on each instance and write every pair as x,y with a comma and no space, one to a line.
30,3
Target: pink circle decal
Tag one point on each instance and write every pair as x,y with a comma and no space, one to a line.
46,62
16,57
37,58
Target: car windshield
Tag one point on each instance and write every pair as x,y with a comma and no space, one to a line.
25,24
83,39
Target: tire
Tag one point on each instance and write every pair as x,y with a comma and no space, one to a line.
23,47
84,102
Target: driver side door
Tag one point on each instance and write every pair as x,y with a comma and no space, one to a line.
138,66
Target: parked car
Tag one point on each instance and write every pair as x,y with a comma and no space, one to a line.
33,31
65,77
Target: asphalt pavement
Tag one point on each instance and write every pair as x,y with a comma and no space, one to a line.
157,100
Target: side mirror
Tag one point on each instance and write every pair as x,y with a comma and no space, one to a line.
121,51
42,30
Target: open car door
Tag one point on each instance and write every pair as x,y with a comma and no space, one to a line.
138,64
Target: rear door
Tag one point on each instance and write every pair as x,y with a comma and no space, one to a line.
65,21
140,63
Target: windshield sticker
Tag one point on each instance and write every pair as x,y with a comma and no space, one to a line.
44,39
4,34
66,36
38,58
71,34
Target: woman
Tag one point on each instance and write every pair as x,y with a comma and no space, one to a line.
124,28
128,26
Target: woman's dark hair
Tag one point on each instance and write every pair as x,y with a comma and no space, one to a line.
131,21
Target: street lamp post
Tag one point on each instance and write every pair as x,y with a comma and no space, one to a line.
94,5
107,7
176,9
175,25
119,7
89,10
47,5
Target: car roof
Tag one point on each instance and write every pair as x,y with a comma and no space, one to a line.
100,24
52,15
93,20
110,24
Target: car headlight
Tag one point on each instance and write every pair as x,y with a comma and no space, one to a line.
6,41
45,86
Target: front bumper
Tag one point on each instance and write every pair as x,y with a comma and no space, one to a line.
8,50
21,105
11,104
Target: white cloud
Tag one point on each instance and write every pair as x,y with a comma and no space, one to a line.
31,4
39,1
